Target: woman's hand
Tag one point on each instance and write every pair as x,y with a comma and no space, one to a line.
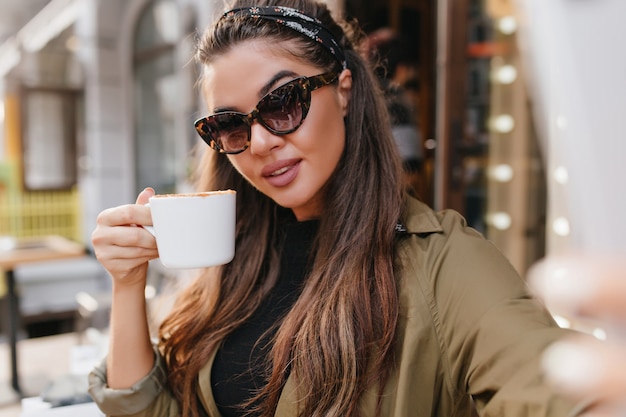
121,245
591,289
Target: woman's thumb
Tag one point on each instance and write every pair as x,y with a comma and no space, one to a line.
145,195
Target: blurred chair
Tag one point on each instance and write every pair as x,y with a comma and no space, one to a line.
48,290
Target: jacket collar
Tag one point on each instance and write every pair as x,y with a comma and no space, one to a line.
418,219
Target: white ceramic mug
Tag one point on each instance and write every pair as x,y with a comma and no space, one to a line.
194,230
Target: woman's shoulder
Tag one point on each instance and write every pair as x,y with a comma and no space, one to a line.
442,251
442,241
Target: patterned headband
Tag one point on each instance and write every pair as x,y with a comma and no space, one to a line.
298,21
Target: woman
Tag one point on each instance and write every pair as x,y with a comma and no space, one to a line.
345,297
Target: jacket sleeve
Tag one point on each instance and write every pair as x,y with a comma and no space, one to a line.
149,397
492,331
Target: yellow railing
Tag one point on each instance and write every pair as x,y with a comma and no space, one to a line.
37,213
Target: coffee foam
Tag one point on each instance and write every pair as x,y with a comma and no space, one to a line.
199,194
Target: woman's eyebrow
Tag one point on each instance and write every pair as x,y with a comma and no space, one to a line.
265,89
277,77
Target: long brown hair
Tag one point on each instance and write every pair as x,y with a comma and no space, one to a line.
338,339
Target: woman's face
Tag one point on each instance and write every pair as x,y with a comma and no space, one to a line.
290,169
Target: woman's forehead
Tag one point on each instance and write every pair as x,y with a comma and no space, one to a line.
269,47
243,72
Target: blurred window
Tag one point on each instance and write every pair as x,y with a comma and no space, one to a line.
49,145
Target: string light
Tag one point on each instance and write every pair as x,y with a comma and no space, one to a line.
501,173
500,220
560,226
561,176
503,123
506,74
430,144
507,25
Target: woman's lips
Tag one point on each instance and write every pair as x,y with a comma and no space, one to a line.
281,173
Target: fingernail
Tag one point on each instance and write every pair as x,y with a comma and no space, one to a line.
572,367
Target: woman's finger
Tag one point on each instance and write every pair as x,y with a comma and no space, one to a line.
145,195
584,366
583,284
123,236
121,246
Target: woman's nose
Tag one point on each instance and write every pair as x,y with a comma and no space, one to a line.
262,141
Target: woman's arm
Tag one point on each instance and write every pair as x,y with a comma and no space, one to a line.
493,330
124,249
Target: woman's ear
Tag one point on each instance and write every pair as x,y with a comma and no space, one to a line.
344,89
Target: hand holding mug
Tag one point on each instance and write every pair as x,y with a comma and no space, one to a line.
122,247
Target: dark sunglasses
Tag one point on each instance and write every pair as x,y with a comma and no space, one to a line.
280,111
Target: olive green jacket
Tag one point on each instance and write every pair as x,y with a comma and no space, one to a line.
469,335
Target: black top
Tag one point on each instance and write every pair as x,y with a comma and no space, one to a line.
239,367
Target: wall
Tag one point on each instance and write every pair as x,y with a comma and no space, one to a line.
106,30
576,67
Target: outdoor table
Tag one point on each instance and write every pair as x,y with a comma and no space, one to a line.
79,410
19,251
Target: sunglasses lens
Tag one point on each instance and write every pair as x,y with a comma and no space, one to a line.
281,110
228,131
